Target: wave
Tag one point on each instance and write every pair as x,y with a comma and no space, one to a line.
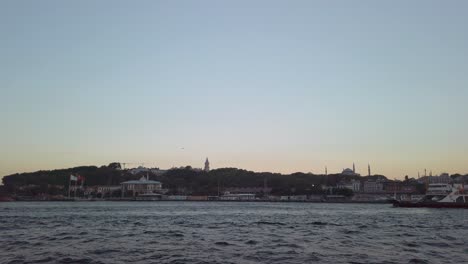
222,243
319,223
270,223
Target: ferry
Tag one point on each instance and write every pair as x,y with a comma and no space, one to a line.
439,195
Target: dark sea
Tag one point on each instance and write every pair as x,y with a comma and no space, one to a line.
229,232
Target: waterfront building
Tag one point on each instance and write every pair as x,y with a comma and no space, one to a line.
373,186
99,191
106,190
177,197
238,197
353,185
297,198
255,190
142,186
442,178
95,191
398,187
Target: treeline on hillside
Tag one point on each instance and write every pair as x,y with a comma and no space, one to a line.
177,181
186,181
50,181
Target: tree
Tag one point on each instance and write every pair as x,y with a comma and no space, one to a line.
115,166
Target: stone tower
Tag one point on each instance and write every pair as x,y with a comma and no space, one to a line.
207,165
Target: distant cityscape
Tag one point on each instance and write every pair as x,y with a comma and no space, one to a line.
115,182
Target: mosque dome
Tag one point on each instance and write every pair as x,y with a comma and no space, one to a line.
348,171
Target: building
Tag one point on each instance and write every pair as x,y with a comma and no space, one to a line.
297,198
442,178
137,170
142,186
101,190
353,185
373,186
350,172
398,187
255,190
238,197
177,197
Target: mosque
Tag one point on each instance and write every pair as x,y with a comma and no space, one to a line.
350,172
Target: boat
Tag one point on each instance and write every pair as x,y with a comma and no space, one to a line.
439,195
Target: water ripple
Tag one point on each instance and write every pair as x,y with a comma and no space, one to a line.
198,232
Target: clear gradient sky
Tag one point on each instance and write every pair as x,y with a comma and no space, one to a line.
279,86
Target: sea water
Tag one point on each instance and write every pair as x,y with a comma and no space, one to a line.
229,232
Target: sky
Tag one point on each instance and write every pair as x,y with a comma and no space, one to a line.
280,86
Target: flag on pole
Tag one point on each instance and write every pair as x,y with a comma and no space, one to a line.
81,179
73,178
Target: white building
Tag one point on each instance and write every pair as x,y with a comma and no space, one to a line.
353,185
158,172
138,170
141,187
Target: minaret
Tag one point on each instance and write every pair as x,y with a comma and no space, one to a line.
326,170
207,165
354,168
368,169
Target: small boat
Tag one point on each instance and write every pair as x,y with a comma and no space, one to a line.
439,196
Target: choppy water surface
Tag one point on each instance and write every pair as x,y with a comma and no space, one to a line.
199,232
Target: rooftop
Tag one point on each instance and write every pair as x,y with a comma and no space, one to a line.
142,180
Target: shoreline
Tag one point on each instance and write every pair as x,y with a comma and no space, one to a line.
209,201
